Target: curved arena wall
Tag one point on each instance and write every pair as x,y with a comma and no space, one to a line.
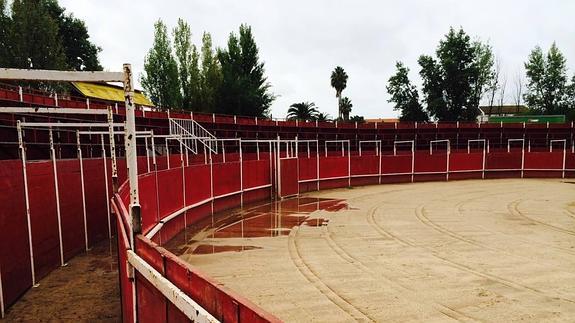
173,199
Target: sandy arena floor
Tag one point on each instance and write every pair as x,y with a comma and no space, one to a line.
493,250
86,290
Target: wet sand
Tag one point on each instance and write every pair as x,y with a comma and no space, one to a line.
86,290
493,250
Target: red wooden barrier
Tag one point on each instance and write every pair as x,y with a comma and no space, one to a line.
43,216
14,252
14,247
289,184
71,208
307,168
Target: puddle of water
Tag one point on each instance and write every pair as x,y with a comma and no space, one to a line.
270,219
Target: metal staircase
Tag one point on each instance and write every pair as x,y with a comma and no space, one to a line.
192,135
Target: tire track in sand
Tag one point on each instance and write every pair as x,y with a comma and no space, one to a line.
313,277
435,254
514,210
401,290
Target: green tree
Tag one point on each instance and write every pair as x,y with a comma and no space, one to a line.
339,83
34,36
40,34
322,117
454,83
5,44
160,77
358,119
571,99
188,69
304,111
211,75
345,106
81,54
405,95
547,87
244,89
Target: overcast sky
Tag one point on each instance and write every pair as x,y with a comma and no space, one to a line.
302,41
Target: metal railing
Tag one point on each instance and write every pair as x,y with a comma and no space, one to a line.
191,133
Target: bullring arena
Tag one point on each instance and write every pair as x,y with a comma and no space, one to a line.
237,219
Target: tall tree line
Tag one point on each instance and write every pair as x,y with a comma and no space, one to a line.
548,88
463,72
228,80
39,34
454,81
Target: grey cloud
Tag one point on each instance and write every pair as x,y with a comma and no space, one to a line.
302,41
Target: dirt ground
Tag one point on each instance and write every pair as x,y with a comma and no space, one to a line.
492,250
86,290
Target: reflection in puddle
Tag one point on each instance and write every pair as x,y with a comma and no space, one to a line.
271,219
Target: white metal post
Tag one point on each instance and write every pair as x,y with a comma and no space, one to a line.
412,161
57,193
278,168
147,153
448,156
297,163
379,153
564,158
131,157
522,152
564,141
271,170
348,162
448,153
211,183
183,181
115,184
167,153
27,200
83,189
109,215
241,176
317,161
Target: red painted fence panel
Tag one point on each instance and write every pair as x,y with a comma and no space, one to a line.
307,168
170,191
43,216
197,183
400,164
430,163
256,173
71,208
95,188
364,165
544,160
503,160
226,178
289,177
148,201
14,247
330,167
462,161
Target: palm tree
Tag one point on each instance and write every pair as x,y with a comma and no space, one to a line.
338,82
358,119
322,117
345,108
304,111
